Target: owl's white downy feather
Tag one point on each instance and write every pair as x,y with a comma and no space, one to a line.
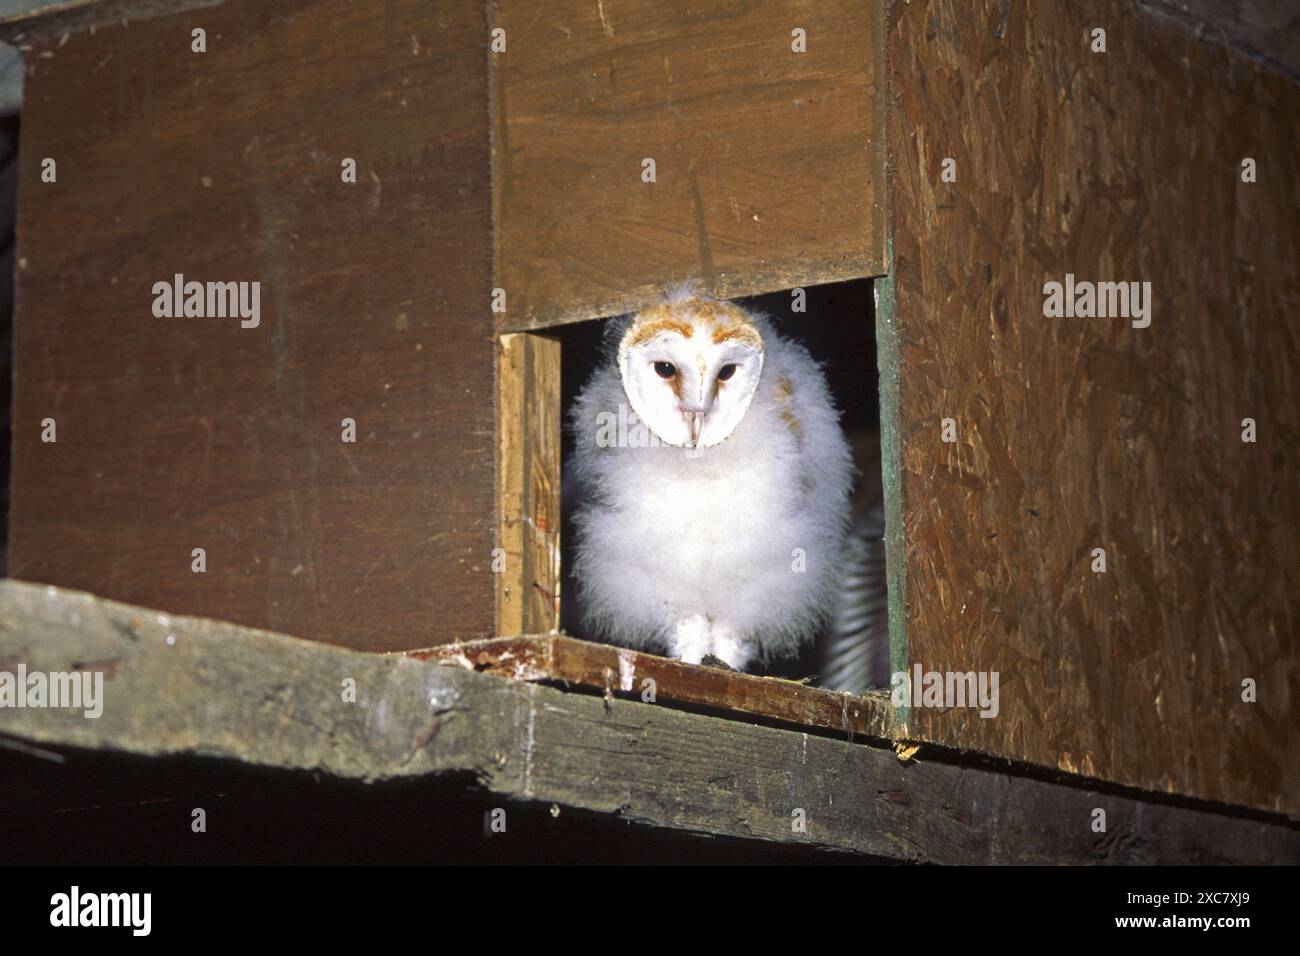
720,530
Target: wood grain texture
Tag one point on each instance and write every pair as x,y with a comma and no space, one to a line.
769,163
267,700
528,476
182,433
566,661
1081,433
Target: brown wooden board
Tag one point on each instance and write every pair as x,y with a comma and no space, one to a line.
569,662
527,567
1079,433
175,434
769,163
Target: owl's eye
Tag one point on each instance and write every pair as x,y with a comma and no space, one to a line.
726,372
665,369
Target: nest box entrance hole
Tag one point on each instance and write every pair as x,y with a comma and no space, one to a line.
542,373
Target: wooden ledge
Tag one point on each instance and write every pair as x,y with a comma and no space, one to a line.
566,661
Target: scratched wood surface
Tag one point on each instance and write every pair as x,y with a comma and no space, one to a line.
568,662
642,763
1074,434
175,434
769,163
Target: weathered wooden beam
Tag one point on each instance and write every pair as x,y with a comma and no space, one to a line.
176,685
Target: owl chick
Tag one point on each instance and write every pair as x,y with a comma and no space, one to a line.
711,482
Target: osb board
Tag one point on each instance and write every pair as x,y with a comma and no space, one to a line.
769,163
1082,433
568,662
175,434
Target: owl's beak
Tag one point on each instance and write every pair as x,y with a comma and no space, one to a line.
694,414
693,419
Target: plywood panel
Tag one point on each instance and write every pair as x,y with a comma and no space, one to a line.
182,433
1078,433
768,162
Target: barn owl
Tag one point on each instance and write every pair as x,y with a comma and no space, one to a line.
711,481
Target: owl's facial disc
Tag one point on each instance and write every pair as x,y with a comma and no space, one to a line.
690,370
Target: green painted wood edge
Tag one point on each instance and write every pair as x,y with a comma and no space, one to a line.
891,467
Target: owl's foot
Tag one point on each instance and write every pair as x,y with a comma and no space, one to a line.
692,639
697,640
731,648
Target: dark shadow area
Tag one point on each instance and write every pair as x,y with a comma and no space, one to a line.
98,808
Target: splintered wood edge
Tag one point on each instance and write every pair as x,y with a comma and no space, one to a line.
610,670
